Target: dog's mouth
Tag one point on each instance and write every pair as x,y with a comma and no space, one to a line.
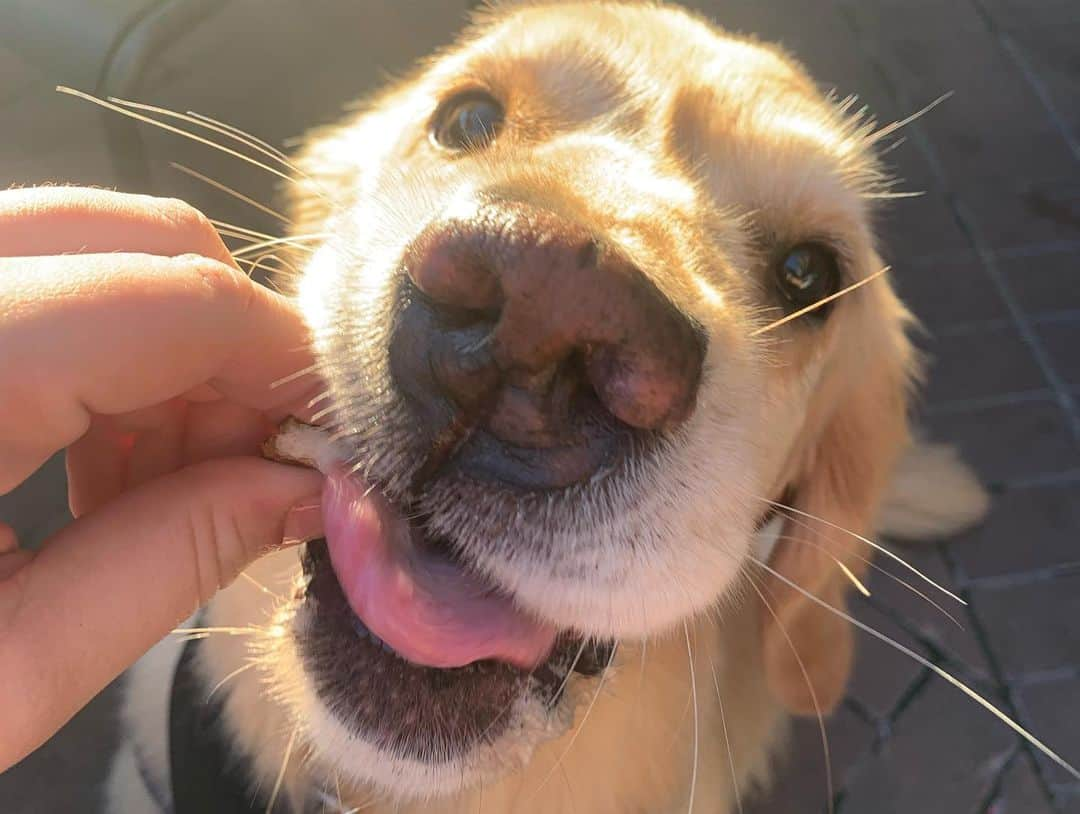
416,595
410,646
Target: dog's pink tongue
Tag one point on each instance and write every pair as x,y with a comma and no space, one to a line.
427,609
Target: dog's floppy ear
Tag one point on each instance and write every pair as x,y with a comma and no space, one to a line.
841,479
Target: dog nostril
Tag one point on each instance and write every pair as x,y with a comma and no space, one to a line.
532,325
463,368
455,318
453,270
588,254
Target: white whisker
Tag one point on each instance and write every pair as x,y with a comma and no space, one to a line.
640,707
727,740
218,185
580,728
206,122
876,546
823,301
226,631
854,579
293,242
889,196
118,108
570,672
261,263
858,583
889,129
281,772
241,230
246,138
1013,725
693,691
292,377
809,686
229,677
247,577
321,414
344,432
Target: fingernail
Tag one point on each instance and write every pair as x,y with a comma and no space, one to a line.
304,522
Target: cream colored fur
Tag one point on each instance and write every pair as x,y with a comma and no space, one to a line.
694,148
933,495
634,751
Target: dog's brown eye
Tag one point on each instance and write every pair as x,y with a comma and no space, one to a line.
468,121
806,274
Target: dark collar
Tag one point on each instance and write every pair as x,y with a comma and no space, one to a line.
209,776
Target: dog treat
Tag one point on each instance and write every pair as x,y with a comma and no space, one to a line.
303,444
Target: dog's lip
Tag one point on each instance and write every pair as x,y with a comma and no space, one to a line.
431,611
487,459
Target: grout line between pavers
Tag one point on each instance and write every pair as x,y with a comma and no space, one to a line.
1036,249
954,406
1056,317
1037,481
1019,59
935,651
968,224
1017,252
1040,678
1067,789
968,327
1021,578
1027,333
1012,700
995,786
909,696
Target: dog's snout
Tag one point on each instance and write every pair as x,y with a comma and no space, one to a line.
550,308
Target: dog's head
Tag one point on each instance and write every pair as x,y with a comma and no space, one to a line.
545,305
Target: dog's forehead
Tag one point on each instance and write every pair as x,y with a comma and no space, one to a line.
740,113
596,57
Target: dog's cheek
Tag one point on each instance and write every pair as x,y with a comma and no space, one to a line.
807,646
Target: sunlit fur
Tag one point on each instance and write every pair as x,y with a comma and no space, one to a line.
703,155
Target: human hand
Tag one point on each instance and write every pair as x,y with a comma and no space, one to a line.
129,338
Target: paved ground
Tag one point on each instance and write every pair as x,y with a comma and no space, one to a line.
988,258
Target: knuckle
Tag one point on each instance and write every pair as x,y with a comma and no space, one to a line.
220,282
193,228
185,217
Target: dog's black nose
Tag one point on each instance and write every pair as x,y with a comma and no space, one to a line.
523,315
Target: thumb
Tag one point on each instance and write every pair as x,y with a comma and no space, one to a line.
107,587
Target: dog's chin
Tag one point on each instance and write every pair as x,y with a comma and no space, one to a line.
436,662
413,730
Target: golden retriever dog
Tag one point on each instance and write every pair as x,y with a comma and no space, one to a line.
616,386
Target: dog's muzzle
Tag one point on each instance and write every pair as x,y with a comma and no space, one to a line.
541,341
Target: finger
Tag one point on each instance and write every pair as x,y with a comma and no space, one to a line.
8,541
110,585
111,334
41,221
12,562
159,441
202,392
221,429
118,453
97,466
